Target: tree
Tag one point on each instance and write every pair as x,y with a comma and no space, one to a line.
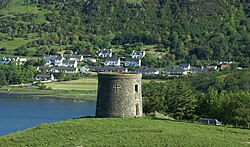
2,78
175,98
30,62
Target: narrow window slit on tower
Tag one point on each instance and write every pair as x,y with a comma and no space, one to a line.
136,88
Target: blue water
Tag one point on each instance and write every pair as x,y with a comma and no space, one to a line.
22,113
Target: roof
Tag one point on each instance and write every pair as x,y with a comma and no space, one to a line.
139,69
179,69
58,58
184,65
168,69
97,68
151,69
146,70
65,68
112,59
58,68
43,75
138,52
200,69
132,59
72,61
105,51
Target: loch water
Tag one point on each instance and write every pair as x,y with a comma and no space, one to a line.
19,113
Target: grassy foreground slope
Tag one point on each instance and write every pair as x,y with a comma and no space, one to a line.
126,132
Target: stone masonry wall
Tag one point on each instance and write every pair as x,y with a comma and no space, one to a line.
118,95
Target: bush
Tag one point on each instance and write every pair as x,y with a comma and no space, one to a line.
42,87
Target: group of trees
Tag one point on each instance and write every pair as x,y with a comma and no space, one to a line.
224,96
16,74
13,73
175,98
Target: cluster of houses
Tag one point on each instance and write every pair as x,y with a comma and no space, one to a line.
134,61
5,60
182,69
68,63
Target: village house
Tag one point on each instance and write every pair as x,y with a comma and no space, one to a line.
6,60
59,61
213,67
64,69
225,62
146,71
132,62
50,60
78,58
104,53
168,71
69,63
174,71
86,69
58,69
185,66
138,54
90,59
44,77
22,60
112,62
199,70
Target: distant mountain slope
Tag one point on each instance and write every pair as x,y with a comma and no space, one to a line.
188,30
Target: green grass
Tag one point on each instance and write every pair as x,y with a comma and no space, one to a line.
12,44
126,132
81,84
82,89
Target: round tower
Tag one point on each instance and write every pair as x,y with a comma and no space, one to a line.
119,95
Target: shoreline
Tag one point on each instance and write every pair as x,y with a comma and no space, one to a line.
48,95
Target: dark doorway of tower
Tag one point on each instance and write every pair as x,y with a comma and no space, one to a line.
137,109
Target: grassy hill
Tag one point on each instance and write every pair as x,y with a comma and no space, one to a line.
126,132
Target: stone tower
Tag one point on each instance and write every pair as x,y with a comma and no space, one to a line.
119,95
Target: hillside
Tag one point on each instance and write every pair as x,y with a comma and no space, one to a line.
126,132
195,31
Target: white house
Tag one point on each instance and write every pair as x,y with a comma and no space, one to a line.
112,62
58,69
132,62
185,66
64,69
79,58
212,67
91,59
6,60
69,63
138,54
44,77
104,53
225,62
147,71
22,60
199,70
59,61
50,60
174,71
168,71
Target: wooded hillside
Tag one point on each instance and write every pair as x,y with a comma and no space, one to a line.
194,31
